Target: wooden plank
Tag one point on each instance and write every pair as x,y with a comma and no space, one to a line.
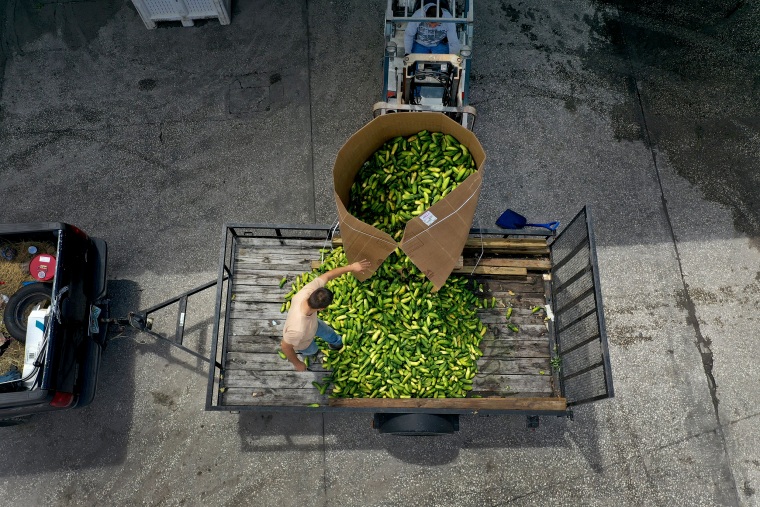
253,290
537,251
292,379
458,265
256,361
519,316
514,403
271,278
271,260
288,244
491,271
244,326
522,313
531,283
253,254
533,264
243,308
253,346
262,362
517,366
282,267
276,252
501,332
265,313
513,383
255,343
245,272
486,242
504,349
264,296
313,248
536,247
271,397
530,299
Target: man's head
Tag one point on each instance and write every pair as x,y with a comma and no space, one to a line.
320,299
432,12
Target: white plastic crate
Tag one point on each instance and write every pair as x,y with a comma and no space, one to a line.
185,11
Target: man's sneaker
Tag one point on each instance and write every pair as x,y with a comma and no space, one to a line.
335,347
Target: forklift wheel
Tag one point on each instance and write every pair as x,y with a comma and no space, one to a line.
21,304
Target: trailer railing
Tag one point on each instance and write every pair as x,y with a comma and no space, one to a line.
581,355
220,334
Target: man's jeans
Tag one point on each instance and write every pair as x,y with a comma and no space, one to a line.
442,48
325,332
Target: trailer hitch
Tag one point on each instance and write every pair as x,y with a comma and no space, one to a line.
143,322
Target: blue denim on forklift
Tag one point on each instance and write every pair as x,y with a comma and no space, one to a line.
325,332
442,48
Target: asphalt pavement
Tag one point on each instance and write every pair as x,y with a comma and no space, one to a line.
648,112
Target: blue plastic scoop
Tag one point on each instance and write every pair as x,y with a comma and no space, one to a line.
513,220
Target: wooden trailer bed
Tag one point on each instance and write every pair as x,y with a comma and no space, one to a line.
514,371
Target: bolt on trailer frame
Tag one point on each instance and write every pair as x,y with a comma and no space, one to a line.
427,82
579,348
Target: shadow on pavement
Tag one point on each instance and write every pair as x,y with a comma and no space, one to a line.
277,432
96,435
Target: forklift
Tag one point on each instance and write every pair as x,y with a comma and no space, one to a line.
427,82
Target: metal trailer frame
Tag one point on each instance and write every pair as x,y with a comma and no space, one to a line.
231,233
584,375
579,328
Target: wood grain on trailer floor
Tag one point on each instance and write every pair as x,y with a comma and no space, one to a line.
514,364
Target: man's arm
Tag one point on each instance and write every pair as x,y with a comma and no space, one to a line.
451,36
290,353
410,32
356,267
409,35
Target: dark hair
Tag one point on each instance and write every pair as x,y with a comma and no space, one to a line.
320,298
432,11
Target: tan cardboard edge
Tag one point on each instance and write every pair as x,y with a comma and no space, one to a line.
441,244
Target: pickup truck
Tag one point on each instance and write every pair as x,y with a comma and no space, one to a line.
57,316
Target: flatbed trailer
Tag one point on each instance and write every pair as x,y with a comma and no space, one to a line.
557,359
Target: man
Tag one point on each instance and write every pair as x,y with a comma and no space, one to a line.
428,37
302,324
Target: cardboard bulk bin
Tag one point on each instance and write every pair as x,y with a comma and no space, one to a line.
433,240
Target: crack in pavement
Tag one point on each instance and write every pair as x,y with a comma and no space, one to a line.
702,343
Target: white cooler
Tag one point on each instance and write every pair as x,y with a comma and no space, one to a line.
35,335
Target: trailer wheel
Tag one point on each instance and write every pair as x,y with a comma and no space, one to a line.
21,304
416,424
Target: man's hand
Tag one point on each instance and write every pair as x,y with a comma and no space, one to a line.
356,267
359,267
290,353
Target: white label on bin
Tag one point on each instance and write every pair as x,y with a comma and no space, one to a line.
45,259
428,218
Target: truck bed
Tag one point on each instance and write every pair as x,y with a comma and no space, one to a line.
513,365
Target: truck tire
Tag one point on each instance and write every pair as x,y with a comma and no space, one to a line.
416,424
21,304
